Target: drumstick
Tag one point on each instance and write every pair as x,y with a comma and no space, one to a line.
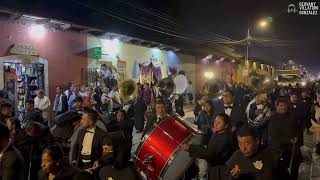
291,158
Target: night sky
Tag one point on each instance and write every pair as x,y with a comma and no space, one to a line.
195,19
232,19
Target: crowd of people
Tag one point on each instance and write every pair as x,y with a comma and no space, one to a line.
89,135
86,133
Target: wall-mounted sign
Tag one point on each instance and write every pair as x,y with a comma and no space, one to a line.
121,64
24,49
96,53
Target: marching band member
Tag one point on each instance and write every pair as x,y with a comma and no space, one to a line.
220,148
155,119
252,162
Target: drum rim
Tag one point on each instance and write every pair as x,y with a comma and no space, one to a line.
174,154
146,136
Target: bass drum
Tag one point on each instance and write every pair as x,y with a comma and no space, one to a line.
161,151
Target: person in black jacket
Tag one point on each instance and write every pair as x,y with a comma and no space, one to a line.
140,108
40,138
5,111
126,126
53,167
20,140
33,114
114,163
283,134
220,148
235,111
306,104
161,115
87,148
11,161
252,162
205,120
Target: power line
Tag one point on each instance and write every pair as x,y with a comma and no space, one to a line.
123,19
146,25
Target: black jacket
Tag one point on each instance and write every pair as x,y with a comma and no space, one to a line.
281,128
66,173
64,100
34,116
96,149
237,116
127,173
219,150
152,121
12,165
264,165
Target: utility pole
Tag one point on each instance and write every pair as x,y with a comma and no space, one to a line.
248,43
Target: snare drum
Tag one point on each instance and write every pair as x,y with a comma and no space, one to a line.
161,151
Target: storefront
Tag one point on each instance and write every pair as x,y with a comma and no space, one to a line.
24,73
140,63
29,62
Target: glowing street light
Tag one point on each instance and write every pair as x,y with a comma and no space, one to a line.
263,24
37,31
208,75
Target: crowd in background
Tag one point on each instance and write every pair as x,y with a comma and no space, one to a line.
89,132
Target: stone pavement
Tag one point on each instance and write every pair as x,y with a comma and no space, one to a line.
305,167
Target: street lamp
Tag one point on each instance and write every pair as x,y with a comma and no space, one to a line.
262,24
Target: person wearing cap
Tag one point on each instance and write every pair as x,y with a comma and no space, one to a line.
253,162
11,162
66,123
87,148
219,149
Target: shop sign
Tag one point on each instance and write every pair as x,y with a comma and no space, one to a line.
96,53
24,49
121,64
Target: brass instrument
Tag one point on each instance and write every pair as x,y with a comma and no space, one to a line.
127,89
213,88
261,83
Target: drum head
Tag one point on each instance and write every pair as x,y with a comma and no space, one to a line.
160,150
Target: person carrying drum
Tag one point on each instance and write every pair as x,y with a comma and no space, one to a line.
156,119
219,150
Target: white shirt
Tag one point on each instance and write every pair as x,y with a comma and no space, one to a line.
42,104
228,111
4,150
87,142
